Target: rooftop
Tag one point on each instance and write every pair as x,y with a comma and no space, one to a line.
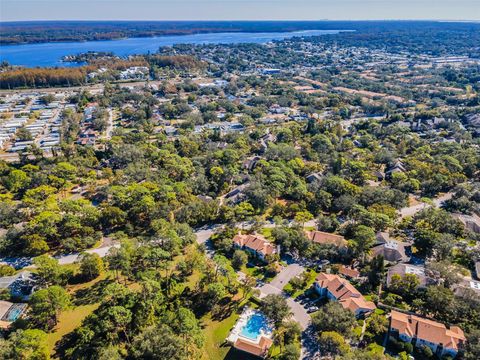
416,327
344,292
324,238
255,242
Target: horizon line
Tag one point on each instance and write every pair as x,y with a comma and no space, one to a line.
240,20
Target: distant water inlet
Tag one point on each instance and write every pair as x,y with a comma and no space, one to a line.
50,54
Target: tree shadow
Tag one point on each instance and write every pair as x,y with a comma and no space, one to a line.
91,295
225,309
234,354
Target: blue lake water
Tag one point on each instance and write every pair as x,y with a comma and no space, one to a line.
254,325
50,54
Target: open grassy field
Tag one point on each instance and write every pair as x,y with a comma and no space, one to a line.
69,321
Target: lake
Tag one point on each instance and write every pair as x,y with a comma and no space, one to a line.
50,54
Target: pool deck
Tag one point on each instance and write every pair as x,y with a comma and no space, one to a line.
236,332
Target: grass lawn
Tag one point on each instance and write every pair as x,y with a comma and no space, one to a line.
215,334
85,300
69,321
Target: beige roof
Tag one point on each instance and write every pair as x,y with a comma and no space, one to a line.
255,242
428,330
324,238
345,293
4,307
258,349
392,251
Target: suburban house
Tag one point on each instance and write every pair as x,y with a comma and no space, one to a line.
20,285
471,222
255,244
467,284
392,251
324,238
382,237
316,176
259,348
420,331
403,269
397,167
338,289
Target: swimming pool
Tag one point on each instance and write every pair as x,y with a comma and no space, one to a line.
14,312
254,326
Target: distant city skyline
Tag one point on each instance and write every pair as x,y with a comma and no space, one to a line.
23,10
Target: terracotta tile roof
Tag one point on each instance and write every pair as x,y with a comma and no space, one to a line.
344,292
324,238
416,327
258,349
255,242
349,272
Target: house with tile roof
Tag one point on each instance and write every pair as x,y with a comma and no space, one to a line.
324,238
335,288
255,244
420,331
259,348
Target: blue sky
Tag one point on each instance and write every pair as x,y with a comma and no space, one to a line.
237,9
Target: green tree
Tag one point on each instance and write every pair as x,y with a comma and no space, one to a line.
49,270
46,305
472,346
23,134
187,326
291,352
6,270
332,343
406,285
25,345
91,266
333,317
275,308
244,210
158,343
239,259
439,301
17,180
377,324
302,217
363,238
215,292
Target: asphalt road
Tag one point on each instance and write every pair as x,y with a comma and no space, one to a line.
412,210
276,287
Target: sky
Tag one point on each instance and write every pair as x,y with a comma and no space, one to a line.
13,10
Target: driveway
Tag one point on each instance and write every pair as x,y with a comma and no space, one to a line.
299,313
412,210
205,233
275,287
286,275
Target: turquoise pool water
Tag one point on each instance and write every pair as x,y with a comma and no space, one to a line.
254,325
14,312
